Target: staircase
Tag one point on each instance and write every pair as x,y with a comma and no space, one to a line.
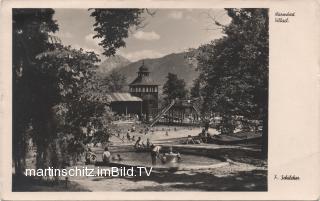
160,114
196,108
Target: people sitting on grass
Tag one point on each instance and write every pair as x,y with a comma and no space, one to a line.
190,140
203,136
106,156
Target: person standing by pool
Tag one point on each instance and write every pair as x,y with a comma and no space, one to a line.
138,143
106,155
148,143
155,150
89,156
128,136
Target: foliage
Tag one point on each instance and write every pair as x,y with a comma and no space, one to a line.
234,69
113,26
115,81
82,103
174,88
62,73
30,32
55,92
195,89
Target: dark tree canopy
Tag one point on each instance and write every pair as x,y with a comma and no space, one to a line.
114,81
113,26
195,89
30,36
234,69
68,73
174,88
55,92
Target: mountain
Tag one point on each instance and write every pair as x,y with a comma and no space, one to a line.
160,67
111,63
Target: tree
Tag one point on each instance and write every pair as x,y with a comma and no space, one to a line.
234,69
115,81
30,32
63,74
113,26
195,90
174,88
54,87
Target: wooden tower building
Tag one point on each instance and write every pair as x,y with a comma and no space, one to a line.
146,89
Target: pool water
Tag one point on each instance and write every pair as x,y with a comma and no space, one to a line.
144,159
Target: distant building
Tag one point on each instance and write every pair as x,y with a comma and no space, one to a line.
146,89
124,103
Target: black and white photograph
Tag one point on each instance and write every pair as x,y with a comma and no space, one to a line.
140,99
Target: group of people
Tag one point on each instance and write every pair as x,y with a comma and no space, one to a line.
107,157
154,152
130,137
203,137
140,144
169,157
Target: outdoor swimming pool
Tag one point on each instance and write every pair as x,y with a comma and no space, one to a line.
144,159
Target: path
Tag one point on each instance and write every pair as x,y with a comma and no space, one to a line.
236,177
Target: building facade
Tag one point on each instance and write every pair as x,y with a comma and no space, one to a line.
146,89
125,104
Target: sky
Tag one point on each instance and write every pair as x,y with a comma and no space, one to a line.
167,31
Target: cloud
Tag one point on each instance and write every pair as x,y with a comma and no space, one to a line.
65,35
142,54
93,41
142,35
175,15
88,49
91,44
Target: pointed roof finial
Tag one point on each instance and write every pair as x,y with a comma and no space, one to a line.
143,68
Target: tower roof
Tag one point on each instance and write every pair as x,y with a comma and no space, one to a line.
143,67
143,79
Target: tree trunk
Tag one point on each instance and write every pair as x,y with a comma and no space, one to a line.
264,147
19,152
226,125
